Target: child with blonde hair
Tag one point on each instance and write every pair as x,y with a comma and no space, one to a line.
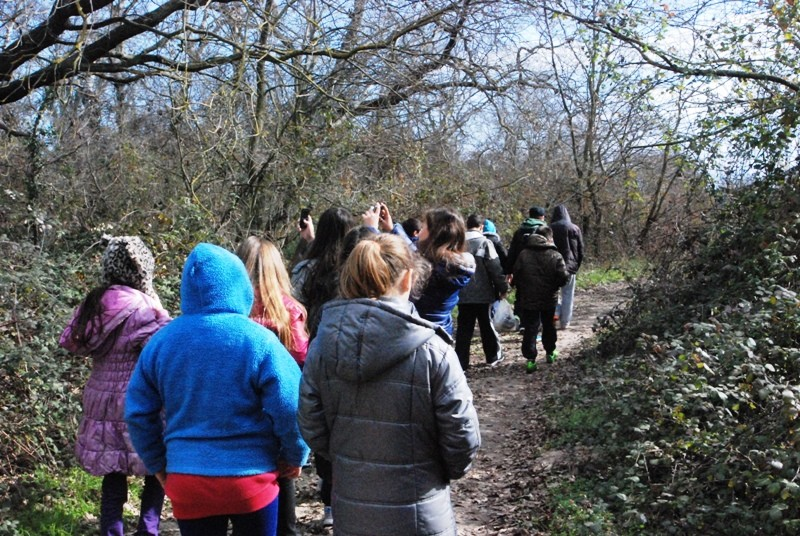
273,306
384,398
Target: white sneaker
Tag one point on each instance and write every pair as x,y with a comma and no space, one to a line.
327,518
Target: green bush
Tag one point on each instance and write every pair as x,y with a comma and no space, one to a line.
41,384
691,401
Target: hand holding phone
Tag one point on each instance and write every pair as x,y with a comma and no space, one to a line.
386,222
305,213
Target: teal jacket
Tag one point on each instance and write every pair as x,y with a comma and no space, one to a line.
227,386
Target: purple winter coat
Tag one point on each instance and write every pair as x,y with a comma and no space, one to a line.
129,319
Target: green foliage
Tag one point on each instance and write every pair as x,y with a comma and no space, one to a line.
40,383
691,402
55,504
598,275
576,513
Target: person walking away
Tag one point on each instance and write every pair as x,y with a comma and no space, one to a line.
536,218
538,274
476,299
442,242
568,238
276,309
212,404
315,278
383,396
490,232
112,325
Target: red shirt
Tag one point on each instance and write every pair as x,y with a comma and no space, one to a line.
195,497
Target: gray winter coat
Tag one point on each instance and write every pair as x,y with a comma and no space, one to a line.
488,282
384,398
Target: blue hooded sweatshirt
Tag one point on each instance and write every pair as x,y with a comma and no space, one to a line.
227,386
440,295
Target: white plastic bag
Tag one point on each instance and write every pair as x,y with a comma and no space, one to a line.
502,314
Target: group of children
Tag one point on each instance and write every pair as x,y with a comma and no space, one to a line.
352,356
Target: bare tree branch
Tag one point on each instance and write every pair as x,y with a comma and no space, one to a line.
669,62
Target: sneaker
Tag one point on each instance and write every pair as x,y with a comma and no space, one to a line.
327,517
530,366
497,361
551,357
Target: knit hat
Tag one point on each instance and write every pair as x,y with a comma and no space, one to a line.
536,212
488,226
128,261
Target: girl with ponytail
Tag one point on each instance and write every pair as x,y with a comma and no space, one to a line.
384,398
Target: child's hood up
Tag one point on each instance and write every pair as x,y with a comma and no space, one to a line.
215,281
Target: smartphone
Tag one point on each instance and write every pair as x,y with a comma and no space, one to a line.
303,215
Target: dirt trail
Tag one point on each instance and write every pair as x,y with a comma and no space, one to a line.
505,489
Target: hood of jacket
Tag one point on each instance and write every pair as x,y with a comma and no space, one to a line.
460,270
365,337
537,241
560,213
215,281
531,223
119,302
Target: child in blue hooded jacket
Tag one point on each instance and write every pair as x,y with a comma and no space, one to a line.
229,393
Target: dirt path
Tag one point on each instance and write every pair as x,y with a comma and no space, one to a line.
504,491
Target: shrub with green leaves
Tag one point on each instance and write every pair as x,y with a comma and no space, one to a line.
694,391
41,384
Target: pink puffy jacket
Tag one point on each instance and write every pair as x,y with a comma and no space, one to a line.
128,320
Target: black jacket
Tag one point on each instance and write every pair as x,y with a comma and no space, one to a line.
518,241
488,282
538,274
568,238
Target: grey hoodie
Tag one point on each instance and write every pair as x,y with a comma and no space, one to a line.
384,397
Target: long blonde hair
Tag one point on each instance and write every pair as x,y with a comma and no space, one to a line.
269,277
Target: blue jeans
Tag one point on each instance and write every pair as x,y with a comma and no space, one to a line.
115,494
262,522
567,295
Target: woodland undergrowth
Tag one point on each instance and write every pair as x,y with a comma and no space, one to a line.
40,383
690,402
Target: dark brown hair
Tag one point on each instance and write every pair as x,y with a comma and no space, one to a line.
446,236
